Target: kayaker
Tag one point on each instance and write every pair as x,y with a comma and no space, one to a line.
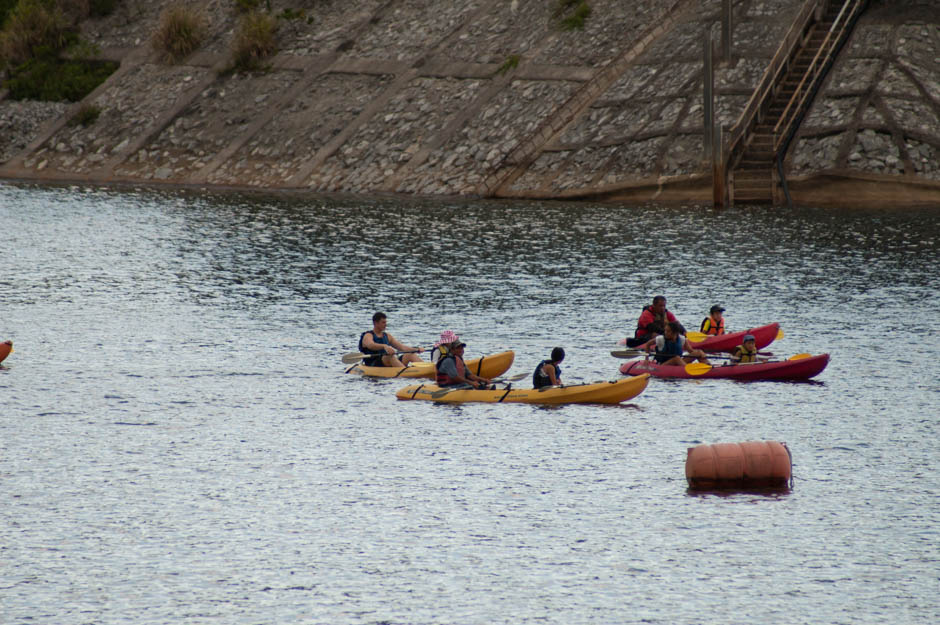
652,322
452,371
714,323
670,346
443,345
548,373
746,351
381,346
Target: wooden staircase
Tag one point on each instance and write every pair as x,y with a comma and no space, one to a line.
759,139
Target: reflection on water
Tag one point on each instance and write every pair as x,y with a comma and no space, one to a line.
179,443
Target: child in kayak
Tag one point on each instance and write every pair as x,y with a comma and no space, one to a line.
443,345
714,323
746,352
548,373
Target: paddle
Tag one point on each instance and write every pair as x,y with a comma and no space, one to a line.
627,353
352,357
697,368
698,337
632,353
467,387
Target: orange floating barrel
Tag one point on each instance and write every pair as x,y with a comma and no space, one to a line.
754,464
5,348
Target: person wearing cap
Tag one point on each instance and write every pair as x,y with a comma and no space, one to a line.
714,323
670,346
381,347
746,352
452,371
442,346
548,373
652,321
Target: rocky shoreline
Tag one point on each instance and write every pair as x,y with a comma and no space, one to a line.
417,97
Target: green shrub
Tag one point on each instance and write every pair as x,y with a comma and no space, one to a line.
571,14
32,24
57,80
6,7
180,31
86,116
510,63
255,39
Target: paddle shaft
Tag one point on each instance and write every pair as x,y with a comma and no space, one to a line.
352,357
633,353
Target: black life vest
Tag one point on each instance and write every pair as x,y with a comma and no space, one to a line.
375,355
540,379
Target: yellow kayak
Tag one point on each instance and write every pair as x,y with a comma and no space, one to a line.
485,367
596,393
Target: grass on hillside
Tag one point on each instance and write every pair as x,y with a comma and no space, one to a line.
180,32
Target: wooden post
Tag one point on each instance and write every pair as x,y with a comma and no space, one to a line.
726,30
709,96
718,167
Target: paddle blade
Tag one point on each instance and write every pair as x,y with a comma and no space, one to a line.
697,368
352,357
696,337
626,353
800,356
779,334
512,378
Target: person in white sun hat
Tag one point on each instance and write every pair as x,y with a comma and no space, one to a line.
443,345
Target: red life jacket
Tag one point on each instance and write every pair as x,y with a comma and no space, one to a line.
442,378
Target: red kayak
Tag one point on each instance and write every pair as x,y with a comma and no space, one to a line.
763,336
798,368
5,348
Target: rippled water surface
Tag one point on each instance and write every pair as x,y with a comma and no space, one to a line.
179,442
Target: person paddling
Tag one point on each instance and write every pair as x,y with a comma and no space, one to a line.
380,346
714,323
548,373
452,371
652,321
670,346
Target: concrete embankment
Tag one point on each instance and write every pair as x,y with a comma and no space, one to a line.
488,97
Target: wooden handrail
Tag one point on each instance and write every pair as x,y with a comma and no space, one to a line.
805,87
764,90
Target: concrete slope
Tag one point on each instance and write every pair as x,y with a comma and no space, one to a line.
465,98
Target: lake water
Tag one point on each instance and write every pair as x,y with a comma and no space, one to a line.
179,442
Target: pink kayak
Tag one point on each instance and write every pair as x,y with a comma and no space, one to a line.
795,369
763,336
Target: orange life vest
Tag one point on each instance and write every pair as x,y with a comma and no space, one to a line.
709,327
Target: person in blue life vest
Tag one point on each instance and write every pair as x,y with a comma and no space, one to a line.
381,347
452,371
548,373
670,346
714,323
746,351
